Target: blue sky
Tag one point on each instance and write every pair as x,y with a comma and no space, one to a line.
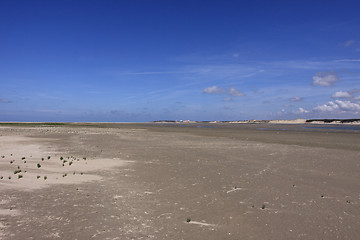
199,60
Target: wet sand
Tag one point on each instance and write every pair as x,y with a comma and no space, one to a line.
165,181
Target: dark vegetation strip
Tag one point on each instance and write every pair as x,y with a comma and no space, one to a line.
334,120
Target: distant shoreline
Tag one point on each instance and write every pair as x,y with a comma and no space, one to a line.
296,121
354,121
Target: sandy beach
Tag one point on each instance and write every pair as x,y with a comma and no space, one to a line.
168,181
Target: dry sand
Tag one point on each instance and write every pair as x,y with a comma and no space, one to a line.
161,181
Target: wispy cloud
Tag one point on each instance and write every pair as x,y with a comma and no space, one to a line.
325,79
149,73
214,89
349,43
117,112
48,111
273,83
352,91
234,73
296,99
235,92
4,100
219,90
227,99
347,60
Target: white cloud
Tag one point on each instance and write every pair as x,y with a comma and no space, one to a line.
341,94
348,106
234,92
338,106
357,98
328,107
296,99
214,89
325,79
301,111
